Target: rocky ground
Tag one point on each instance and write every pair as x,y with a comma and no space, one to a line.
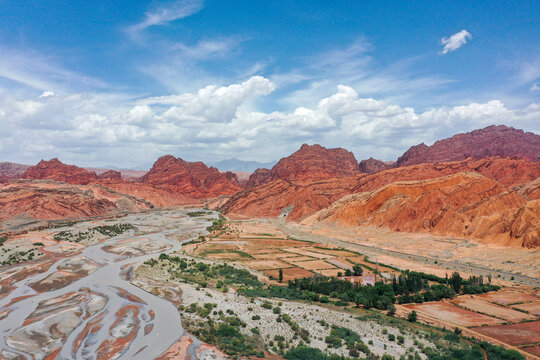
317,319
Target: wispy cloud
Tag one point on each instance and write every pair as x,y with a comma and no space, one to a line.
167,13
535,87
39,72
206,48
455,41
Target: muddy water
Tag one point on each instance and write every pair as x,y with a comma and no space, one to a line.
116,319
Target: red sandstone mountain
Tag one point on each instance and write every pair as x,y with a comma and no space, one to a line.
493,140
308,163
271,199
192,179
467,205
55,170
372,165
42,199
110,175
127,174
9,170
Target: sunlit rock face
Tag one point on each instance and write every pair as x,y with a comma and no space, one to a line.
308,163
192,179
54,169
493,140
467,205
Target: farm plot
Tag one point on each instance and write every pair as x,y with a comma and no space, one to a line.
344,264
453,314
330,272
532,307
306,252
265,264
314,265
509,297
485,307
289,273
513,334
334,252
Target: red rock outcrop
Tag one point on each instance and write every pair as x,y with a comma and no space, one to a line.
127,174
55,170
372,165
191,179
110,175
9,170
54,200
156,196
306,198
467,205
308,163
493,140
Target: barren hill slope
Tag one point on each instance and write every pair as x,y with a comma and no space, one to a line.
270,199
467,205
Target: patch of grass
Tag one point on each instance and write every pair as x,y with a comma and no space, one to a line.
198,213
107,230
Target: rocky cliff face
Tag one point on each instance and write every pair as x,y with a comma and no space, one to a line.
9,170
372,165
55,170
308,163
53,200
270,199
493,140
110,175
465,204
191,179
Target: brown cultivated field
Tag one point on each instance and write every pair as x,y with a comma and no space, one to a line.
509,297
289,274
532,308
330,272
265,264
482,306
337,253
306,252
293,259
344,264
533,350
262,248
453,314
225,255
513,334
314,265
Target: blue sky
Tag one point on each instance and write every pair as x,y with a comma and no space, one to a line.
122,82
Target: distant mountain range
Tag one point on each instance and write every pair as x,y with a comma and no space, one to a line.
234,164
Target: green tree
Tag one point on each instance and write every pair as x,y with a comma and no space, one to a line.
456,282
412,316
357,270
280,275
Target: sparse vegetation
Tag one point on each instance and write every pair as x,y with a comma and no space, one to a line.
198,213
107,230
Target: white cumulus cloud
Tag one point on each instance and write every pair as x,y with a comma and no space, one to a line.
47,94
455,41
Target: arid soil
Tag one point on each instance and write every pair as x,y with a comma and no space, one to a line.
441,254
